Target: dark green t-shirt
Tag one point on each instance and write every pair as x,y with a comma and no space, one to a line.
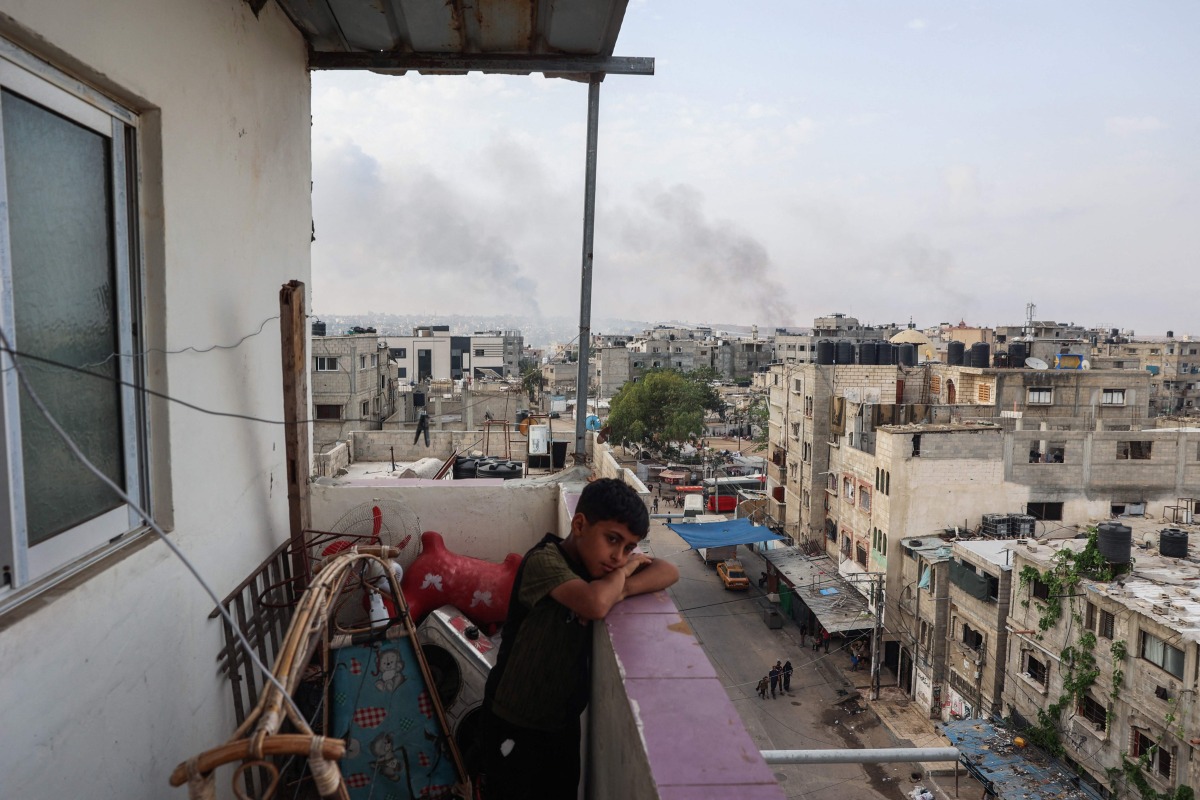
544,671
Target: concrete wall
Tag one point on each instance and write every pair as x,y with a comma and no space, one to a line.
112,680
377,445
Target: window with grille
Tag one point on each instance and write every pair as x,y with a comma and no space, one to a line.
1107,623
1035,668
1158,759
860,554
984,393
1039,396
1094,712
1112,397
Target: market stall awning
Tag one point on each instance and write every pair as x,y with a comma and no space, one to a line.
723,534
1010,772
837,605
672,475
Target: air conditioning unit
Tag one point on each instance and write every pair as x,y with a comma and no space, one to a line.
460,658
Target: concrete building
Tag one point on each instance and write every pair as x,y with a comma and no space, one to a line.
352,386
1172,364
800,347
981,578
1114,661
919,618
496,354
431,353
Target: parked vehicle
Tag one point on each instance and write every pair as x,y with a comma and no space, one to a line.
693,506
732,575
715,555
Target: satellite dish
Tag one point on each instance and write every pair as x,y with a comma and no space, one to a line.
1085,364
523,426
1036,363
592,423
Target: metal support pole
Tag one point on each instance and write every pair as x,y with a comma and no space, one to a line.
884,755
876,656
585,294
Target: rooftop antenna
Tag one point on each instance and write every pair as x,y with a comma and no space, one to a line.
1030,310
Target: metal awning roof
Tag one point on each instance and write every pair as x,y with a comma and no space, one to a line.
838,606
562,38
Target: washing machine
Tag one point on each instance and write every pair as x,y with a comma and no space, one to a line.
460,657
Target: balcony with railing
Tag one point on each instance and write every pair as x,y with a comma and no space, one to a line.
656,699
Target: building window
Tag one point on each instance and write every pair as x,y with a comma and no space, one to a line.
325,364
864,498
1162,655
1035,668
860,554
806,452
1039,396
382,382
1051,512
1094,712
328,412
402,372
374,359
1040,591
377,405
984,393
1135,450
402,352
366,408
1107,623
806,498
1158,758
795,430
972,638
72,293
1112,397
808,406
479,351
848,490
1089,617
362,362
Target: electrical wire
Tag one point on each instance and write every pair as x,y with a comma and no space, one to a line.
154,526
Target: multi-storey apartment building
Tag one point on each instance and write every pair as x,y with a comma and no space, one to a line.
801,347
1107,670
352,387
495,354
1172,364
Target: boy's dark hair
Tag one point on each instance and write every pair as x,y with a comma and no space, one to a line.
610,499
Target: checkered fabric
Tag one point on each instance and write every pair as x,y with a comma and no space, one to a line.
371,717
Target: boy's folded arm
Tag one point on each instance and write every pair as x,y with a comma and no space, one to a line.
591,600
656,575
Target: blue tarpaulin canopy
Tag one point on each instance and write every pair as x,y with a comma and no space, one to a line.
722,534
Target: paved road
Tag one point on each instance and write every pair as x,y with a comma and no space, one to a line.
731,629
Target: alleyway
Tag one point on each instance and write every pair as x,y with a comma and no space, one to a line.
822,710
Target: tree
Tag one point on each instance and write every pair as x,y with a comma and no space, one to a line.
664,406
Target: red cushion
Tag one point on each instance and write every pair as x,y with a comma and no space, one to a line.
477,588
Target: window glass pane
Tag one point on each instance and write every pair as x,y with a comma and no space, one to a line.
1173,662
63,276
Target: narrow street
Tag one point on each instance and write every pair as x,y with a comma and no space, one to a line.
821,711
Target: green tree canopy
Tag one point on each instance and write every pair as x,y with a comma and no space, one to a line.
664,406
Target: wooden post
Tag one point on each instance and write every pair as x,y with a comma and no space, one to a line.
293,337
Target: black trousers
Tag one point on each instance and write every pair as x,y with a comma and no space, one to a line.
508,762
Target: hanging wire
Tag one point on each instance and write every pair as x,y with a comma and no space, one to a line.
74,448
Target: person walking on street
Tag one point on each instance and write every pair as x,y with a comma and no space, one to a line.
762,688
787,676
816,639
774,676
655,506
803,633
825,639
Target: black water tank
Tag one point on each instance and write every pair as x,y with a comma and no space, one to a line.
883,352
1115,542
1170,334
954,353
845,351
418,399
908,354
980,355
1000,359
1173,542
825,352
464,467
866,353
506,470
318,328
1017,353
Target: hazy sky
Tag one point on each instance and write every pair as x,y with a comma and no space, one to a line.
940,161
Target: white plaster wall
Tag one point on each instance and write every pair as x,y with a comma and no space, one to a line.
109,686
484,521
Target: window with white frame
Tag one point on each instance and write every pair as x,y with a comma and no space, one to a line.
69,253
1039,396
1034,667
325,364
1112,397
366,409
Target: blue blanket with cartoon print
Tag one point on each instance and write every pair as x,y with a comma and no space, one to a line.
379,704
